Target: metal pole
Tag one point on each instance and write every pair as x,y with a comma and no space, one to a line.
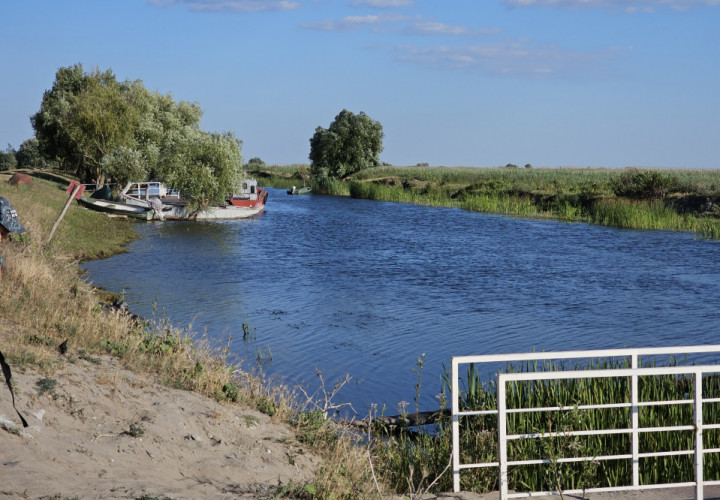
502,436
634,398
455,396
699,479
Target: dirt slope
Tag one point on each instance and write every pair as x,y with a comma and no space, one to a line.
105,432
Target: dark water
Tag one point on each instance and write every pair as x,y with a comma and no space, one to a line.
366,288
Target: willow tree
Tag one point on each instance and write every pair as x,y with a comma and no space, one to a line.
352,143
83,118
204,167
101,121
100,128
51,120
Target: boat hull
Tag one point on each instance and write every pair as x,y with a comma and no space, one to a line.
115,208
180,212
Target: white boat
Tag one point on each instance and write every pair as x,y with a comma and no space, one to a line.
116,208
168,204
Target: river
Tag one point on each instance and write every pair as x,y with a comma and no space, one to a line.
367,288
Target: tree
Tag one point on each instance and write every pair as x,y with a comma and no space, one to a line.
205,167
29,155
8,160
99,128
101,120
124,165
255,162
50,122
352,143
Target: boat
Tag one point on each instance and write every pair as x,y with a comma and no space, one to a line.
302,190
116,208
169,204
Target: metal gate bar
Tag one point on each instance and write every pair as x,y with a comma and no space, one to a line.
634,372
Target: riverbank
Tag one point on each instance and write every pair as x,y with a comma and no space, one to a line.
120,408
631,198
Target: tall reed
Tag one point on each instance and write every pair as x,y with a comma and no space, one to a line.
478,434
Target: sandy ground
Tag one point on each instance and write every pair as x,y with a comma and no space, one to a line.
81,444
105,432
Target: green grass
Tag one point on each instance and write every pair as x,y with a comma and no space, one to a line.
652,199
81,233
428,453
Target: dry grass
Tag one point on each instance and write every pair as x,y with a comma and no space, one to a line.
45,301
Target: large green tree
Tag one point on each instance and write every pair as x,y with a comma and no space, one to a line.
98,128
352,143
8,158
51,121
203,167
102,120
84,117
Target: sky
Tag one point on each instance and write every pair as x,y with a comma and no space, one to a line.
481,83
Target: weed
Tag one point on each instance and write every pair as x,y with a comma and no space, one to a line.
263,355
230,392
90,359
251,420
41,340
115,348
135,431
248,332
266,406
46,385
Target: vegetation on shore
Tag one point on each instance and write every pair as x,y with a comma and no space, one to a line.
423,457
101,130
45,302
632,198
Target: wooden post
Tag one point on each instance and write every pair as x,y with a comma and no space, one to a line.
62,214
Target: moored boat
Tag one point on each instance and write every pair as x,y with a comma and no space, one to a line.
117,208
302,190
169,204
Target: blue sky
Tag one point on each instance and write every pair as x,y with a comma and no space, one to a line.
604,83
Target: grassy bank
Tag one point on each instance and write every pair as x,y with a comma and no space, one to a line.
676,200
45,302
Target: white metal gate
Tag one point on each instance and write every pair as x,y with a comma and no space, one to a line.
634,430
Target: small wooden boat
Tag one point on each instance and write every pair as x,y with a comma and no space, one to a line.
302,190
116,208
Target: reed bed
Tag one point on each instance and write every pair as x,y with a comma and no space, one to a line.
632,198
430,451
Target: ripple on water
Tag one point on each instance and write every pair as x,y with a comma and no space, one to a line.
365,288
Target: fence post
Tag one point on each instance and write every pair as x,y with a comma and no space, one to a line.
634,398
455,426
699,459
502,436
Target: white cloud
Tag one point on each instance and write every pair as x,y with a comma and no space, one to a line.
350,23
381,4
228,5
627,5
514,58
433,28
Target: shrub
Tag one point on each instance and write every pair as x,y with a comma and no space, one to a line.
255,162
644,184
